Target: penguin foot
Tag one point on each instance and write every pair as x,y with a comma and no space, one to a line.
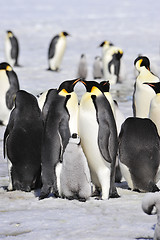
82,199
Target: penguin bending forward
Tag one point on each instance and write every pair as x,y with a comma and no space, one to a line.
98,133
9,85
61,120
56,51
11,49
75,181
22,143
139,154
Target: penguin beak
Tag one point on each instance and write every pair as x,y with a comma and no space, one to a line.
77,80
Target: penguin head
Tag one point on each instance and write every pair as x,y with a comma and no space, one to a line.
105,86
75,139
93,87
155,86
9,34
142,61
23,100
67,87
106,43
64,34
5,66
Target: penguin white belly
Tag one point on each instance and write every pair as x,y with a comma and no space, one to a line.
143,97
154,113
60,48
109,75
58,174
99,167
4,111
126,174
8,48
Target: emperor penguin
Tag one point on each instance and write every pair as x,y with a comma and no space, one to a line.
11,49
139,154
151,206
75,180
111,58
61,121
98,134
56,51
143,93
97,68
82,67
9,85
154,111
22,143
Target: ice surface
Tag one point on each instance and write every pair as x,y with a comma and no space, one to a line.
132,25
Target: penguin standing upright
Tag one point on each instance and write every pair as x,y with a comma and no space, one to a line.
139,154
82,67
61,121
11,49
143,94
98,133
154,111
75,180
97,68
9,85
22,143
56,51
111,58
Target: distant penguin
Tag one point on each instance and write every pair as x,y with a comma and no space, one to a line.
61,121
9,85
98,133
139,154
97,68
75,180
111,58
151,205
143,94
56,51
82,67
11,49
22,143
154,111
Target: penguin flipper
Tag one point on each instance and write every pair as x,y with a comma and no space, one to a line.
14,87
103,133
51,51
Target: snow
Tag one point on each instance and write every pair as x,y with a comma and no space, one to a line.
132,25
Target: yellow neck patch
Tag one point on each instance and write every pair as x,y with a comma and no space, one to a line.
63,92
8,68
95,91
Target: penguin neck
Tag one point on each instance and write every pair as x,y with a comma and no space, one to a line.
146,76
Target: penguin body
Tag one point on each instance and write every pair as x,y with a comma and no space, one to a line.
96,124
97,68
151,205
9,85
154,111
56,51
11,49
22,143
61,120
75,181
139,154
111,64
143,94
82,67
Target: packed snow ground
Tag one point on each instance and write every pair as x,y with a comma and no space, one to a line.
132,25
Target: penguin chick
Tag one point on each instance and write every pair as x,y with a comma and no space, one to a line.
151,205
9,85
154,111
75,181
82,67
56,51
143,94
97,68
11,49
